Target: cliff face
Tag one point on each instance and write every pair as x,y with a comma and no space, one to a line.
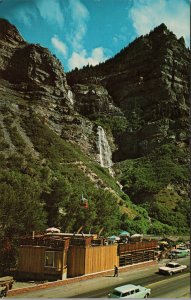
10,39
149,82
100,125
30,67
38,77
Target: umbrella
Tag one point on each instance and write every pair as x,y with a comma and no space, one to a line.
137,235
163,242
53,229
113,237
124,233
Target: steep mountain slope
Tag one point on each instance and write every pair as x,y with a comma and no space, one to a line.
148,81
63,136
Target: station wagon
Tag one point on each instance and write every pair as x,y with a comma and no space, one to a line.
130,291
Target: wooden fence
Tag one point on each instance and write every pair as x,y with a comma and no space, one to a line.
123,248
46,241
87,260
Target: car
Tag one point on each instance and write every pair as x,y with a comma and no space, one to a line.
6,284
177,253
130,291
171,268
184,249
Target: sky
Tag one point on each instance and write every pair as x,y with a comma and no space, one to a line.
79,32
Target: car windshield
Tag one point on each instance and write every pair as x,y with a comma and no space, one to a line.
116,293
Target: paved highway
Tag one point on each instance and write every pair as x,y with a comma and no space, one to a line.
168,287
162,286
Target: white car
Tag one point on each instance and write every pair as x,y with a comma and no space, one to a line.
130,291
171,268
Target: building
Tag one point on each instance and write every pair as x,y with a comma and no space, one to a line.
43,257
64,255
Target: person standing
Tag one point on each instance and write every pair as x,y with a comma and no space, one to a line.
116,271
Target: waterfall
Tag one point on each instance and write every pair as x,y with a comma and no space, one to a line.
71,97
105,154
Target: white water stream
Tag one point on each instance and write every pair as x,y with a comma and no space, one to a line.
71,97
105,154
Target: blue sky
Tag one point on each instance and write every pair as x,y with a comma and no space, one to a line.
90,31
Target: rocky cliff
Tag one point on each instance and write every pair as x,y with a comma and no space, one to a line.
148,82
116,133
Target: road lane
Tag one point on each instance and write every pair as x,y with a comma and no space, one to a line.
178,287
160,286
100,287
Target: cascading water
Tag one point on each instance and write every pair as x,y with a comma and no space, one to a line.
105,154
71,97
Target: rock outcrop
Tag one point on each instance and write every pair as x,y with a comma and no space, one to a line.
38,77
94,100
148,81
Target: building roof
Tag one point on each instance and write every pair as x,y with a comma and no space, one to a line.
67,234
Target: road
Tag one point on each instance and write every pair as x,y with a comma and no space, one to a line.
166,287
162,286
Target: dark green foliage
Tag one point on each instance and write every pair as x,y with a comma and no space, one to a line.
3,144
16,138
48,143
115,124
158,228
107,213
21,210
155,171
65,209
146,180
61,183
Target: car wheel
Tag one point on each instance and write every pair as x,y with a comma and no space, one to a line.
170,273
146,296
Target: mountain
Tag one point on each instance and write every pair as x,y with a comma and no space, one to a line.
116,133
149,82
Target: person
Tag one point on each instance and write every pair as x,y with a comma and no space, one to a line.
115,271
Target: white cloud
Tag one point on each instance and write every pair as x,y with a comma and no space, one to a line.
82,59
79,11
79,16
50,10
59,45
25,14
147,14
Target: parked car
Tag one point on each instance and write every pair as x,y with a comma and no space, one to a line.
171,268
184,249
6,284
130,291
177,253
